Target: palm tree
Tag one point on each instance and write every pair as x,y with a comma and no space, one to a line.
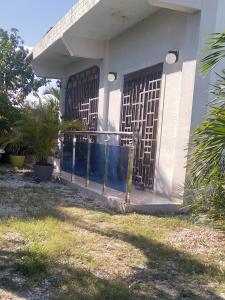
52,91
51,98
216,47
208,142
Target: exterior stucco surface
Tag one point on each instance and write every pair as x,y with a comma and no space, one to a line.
146,45
178,25
142,46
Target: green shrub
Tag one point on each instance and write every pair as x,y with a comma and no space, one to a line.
39,128
32,264
207,147
208,197
9,114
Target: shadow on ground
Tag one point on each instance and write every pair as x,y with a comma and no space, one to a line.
169,273
67,283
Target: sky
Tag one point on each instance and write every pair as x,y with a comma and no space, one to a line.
33,18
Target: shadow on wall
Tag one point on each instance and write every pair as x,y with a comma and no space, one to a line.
165,189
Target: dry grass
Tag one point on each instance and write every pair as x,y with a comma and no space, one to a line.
54,244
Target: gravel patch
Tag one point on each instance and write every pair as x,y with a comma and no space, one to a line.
204,242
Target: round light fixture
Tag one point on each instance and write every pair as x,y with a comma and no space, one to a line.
172,57
112,76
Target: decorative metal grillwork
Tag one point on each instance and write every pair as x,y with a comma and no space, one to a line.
82,97
140,105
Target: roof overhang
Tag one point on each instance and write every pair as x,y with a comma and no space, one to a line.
83,31
188,6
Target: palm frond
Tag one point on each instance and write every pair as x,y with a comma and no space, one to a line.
53,91
216,47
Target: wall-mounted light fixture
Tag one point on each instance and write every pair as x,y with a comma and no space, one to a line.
172,57
112,76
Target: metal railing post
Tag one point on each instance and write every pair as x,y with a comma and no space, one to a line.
61,155
130,170
88,162
106,159
74,157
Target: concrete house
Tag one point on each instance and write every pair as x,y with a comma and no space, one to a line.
130,66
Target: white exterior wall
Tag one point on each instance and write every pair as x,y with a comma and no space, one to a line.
212,19
219,26
184,93
145,45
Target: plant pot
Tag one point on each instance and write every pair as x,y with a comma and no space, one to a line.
43,172
17,160
1,152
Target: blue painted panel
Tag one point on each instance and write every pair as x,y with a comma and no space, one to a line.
81,159
67,157
117,168
97,162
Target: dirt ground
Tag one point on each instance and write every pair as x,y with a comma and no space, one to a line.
57,244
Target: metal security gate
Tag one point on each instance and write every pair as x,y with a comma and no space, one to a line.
82,97
140,106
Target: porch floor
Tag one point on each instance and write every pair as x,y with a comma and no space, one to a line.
143,201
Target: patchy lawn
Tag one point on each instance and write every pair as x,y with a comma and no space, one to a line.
55,244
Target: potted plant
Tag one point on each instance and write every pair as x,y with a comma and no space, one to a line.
40,127
17,158
1,152
14,144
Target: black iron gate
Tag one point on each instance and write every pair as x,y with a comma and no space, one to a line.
140,106
82,97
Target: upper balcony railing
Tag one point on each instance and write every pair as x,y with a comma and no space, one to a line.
97,159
